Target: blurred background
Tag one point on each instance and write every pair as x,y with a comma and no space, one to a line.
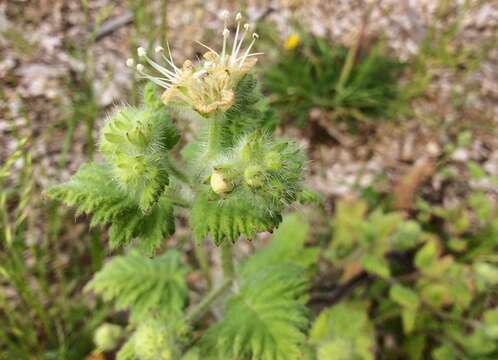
395,101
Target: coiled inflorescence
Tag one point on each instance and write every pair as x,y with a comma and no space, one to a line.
209,85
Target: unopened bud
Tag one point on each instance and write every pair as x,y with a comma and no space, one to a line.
253,176
273,160
219,184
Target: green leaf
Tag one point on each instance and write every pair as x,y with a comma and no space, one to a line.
437,294
426,256
348,223
376,265
408,317
127,351
482,205
344,331
193,354
407,235
464,138
265,320
144,285
415,345
229,219
475,170
490,318
445,352
486,275
93,190
287,245
404,296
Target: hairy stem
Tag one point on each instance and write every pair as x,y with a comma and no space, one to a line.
227,261
213,295
208,300
200,254
175,170
214,136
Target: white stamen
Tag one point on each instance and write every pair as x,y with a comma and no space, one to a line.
140,68
254,37
170,61
237,49
141,51
224,14
207,47
234,55
226,32
159,49
130,62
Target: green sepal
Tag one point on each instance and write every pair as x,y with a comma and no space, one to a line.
134,142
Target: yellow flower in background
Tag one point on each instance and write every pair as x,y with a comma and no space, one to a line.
292,42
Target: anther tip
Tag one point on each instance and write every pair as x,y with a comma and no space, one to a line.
130,62
140,67
255,36
141,51
225,14
238,16
159,49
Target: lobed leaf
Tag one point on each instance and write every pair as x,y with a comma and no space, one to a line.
145,286
93,190
265,320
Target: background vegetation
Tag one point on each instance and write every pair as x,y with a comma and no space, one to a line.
397,106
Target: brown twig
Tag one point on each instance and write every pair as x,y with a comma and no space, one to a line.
113,24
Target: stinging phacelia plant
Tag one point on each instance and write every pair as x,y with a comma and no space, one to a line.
235,180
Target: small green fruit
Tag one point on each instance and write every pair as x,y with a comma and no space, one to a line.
152,343
106,337
273,160
253,176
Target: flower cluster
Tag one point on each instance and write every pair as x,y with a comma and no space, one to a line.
209,85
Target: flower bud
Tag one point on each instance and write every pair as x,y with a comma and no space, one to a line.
253,176
106,337
273,160
152,343
219,184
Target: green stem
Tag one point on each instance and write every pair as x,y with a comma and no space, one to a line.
174,169
353,51
178,201
214,294
348,64
209,299
214,136
227,261
200,254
